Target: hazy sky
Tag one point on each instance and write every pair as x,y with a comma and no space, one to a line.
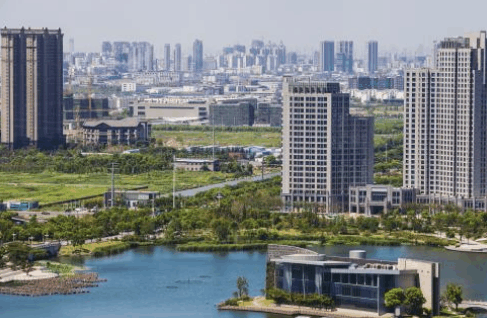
300,24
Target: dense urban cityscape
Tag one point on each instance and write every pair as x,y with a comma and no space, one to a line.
347,178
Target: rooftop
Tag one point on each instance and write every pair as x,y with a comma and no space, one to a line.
127,122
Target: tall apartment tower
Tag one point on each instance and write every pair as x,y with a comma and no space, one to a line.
372,56
141,56
197,56
327,56
344,57
325,149
445,124
32,88
167,57
177,58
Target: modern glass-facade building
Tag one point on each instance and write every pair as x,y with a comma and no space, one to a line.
354,282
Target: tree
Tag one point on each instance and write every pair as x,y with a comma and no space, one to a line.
242,286
222,228
394,297
415,300
3,256
19,254
454,294
77,240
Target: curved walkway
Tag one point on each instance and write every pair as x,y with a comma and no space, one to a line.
8,275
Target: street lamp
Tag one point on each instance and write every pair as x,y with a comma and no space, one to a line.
219,196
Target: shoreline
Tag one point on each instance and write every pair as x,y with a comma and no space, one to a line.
297,310
467,250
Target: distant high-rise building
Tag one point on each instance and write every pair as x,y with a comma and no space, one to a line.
281,53
32,90
239,48
445,124
256,47
177,58
71,46
292,58
122,51
316,59
167,57
197,56
325,149
372,56
327,56
141,56
106,48
344,58
189,63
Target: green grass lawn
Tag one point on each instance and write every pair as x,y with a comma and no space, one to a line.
50,187
181,139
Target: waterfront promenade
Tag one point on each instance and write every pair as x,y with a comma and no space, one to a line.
291,310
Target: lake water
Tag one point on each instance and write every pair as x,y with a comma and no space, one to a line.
160,282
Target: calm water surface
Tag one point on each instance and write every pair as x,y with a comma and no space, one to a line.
159,282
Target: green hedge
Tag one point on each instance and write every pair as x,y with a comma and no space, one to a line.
310,300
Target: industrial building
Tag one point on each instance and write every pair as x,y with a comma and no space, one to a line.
268,114
21,205
129,131
374,199
325,149
233,112
171,108
131,199
353,282
190,164
32,88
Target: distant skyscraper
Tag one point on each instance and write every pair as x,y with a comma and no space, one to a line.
327,56
71,46
373,56
189,63
239,48
345,57
292,58
32,90
122,51
106,48
167,57
141,56
177,57
197,56
325,149
281,53
445,124
256,47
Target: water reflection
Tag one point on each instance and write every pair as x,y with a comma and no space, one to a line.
161,282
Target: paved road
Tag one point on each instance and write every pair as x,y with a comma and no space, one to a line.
192,192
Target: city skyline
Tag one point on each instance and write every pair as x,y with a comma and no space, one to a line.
368,20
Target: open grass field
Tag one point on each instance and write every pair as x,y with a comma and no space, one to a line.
50,187
181,139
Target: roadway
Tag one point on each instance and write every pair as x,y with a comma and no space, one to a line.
194,191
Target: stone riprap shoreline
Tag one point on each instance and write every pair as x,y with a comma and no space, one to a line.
66,285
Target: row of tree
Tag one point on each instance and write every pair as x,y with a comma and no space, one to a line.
413,300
